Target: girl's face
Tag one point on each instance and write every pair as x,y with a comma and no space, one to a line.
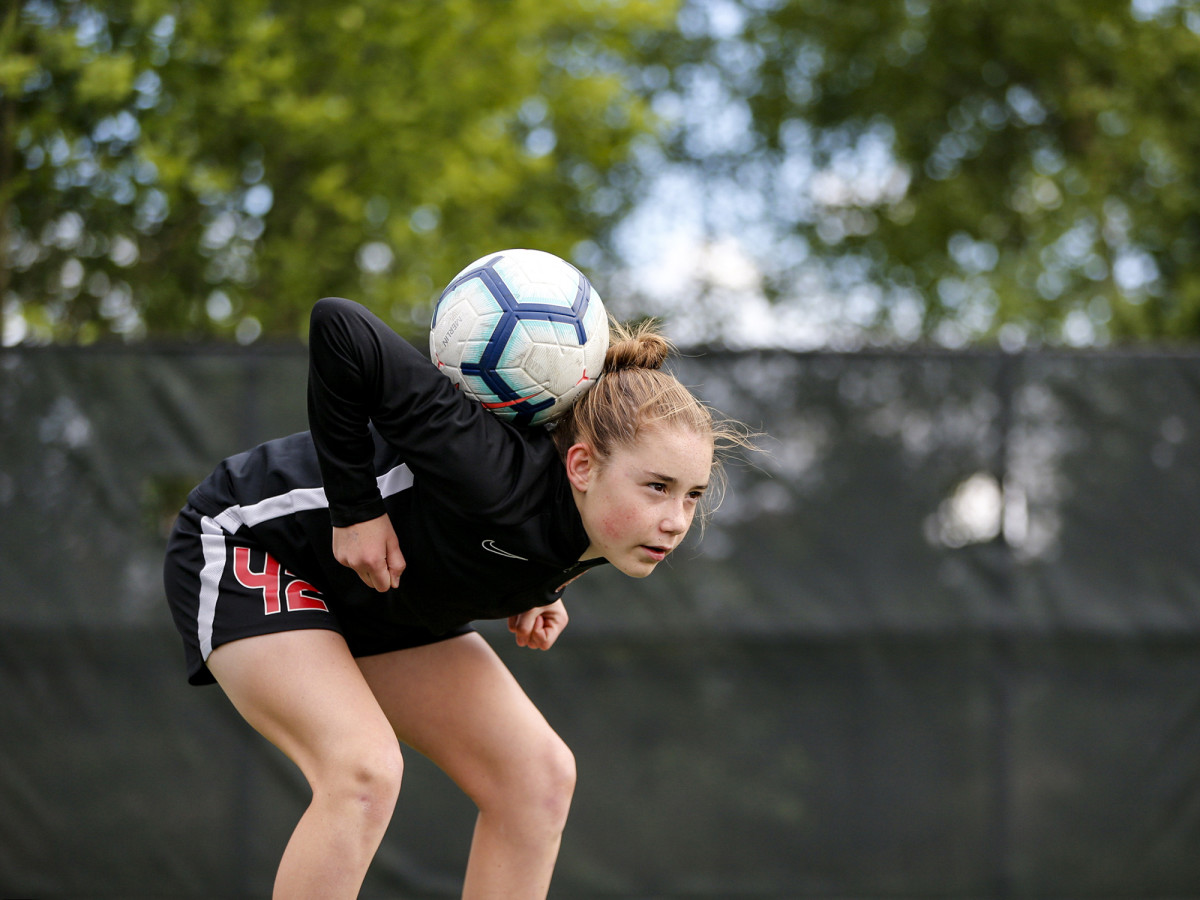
638,504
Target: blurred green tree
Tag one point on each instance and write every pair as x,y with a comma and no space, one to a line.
170,167
1026,170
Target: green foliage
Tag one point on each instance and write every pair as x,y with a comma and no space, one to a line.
1039,178
176,167
962,170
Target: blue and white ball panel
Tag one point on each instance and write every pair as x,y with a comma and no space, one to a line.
475,386
531,332
556,369
536,277
472,351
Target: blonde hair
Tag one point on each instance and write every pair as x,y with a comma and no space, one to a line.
635,392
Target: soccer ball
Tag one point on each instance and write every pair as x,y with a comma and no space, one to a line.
521,331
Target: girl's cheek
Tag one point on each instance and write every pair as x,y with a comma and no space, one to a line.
616,525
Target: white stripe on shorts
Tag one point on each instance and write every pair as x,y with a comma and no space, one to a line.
391,482
212,540
395,480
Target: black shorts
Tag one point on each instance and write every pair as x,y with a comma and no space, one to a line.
222,587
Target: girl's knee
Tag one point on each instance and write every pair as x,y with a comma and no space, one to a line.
560,774
377,775
549,800
536,790
560,787
364,779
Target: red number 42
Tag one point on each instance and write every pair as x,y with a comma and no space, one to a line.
273,581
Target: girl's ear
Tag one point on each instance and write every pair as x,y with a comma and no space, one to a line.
581,465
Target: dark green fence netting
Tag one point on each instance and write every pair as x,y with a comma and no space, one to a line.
942,640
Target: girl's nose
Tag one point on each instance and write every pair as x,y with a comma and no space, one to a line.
676,521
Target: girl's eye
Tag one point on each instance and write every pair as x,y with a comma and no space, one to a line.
657,486
695,495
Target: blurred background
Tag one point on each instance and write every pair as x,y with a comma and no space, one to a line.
943,638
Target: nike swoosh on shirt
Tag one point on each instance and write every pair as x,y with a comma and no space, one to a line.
491,546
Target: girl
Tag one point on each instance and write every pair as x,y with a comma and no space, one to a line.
327,581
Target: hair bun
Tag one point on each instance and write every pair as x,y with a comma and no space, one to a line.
640,347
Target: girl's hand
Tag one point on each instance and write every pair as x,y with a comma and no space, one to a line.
539,627
371,549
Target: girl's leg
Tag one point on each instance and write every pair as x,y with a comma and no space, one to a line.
303,692
458,704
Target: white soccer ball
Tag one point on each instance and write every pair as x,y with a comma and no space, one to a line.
521,331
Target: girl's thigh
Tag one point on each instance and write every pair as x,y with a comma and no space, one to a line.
303,691
457,703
